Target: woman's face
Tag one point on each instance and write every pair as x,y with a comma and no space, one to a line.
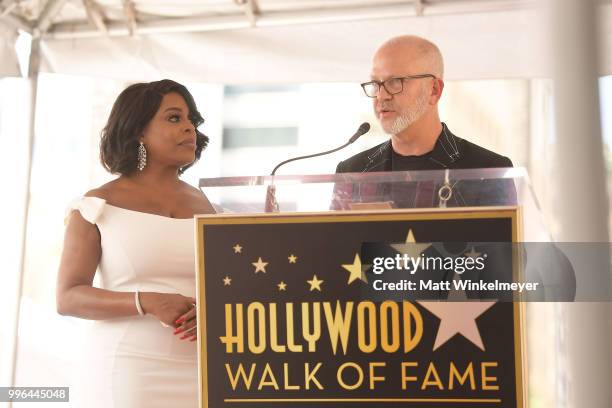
170,137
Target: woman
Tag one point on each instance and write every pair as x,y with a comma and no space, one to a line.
138,231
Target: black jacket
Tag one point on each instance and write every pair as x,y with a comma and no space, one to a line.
449,152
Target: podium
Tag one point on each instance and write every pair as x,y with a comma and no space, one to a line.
364,290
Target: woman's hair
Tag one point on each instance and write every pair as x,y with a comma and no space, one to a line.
132,111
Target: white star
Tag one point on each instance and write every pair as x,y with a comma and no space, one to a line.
457,318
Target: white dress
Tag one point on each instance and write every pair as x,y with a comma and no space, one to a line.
134,361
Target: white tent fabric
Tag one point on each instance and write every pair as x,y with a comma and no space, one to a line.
488,39
509,44
9,65
487,45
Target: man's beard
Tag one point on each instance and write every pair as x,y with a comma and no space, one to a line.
411,115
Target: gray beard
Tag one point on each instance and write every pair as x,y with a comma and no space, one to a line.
412,115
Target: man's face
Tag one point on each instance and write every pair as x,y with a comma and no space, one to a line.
397,112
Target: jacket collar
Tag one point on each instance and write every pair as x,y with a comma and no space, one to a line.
446,151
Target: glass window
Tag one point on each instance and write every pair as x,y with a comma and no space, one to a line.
259,137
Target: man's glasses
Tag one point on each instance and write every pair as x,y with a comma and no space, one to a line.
392,85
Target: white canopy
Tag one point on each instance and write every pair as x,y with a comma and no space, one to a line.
265,41
8,57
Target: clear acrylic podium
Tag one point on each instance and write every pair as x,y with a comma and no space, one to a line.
335,226
477,188
567,271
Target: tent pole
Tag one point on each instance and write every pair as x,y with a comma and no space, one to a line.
32,89
585,357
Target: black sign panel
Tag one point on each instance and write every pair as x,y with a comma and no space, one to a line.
284,322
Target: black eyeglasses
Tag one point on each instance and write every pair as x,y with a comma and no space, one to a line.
393,85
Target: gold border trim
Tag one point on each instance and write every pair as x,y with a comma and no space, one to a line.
471,400
512,212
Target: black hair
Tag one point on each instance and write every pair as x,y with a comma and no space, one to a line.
132,111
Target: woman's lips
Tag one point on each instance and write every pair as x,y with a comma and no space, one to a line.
190,145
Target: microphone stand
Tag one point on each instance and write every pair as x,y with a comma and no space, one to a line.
271,205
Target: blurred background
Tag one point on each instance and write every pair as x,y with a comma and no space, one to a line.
274,79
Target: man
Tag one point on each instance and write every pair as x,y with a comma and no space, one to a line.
406,85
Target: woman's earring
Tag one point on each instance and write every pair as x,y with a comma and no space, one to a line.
142,157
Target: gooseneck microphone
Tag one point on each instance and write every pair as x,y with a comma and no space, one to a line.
363,129
271,205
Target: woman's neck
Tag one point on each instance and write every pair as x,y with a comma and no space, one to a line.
154,176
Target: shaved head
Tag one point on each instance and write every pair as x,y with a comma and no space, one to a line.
422,54
407,58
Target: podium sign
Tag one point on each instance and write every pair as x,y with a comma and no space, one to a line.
286,317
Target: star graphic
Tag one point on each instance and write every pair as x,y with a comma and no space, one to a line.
472,254
292,258
457,317
237,249
227,281
260,266
282,286
315,283
411,247
355,270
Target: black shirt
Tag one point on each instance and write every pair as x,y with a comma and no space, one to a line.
410,163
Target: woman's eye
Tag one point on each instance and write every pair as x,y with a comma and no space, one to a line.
174,118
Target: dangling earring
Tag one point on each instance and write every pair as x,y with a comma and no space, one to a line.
142,157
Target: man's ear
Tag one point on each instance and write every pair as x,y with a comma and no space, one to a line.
436,90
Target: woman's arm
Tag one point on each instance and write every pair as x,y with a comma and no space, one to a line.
77,297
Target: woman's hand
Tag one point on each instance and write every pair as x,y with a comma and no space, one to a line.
173,310
188,325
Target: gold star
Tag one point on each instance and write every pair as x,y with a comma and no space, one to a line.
237,249
315,283
282,286
227,281
355,270
292,258
410,247
472,254
260,266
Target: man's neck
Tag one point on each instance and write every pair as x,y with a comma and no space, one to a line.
417,139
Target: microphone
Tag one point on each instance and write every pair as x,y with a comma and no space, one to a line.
363,129
271,205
